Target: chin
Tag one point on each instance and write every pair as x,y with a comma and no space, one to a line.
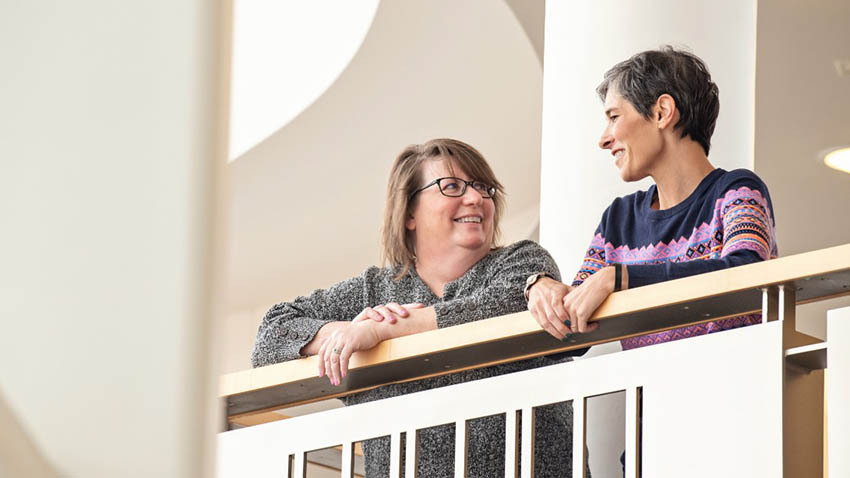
472,242
629,176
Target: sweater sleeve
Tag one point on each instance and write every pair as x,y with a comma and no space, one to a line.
289,326
748,236
594,256
501,292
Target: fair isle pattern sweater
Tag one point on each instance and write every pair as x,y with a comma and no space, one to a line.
727,221
492,287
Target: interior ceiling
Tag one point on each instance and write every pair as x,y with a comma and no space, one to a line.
306,203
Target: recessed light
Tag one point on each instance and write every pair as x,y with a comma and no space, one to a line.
838,159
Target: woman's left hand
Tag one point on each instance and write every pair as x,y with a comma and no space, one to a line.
390,312
336,351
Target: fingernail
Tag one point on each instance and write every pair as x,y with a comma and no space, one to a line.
566,337
567,323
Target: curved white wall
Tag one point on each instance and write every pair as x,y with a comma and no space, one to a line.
285,55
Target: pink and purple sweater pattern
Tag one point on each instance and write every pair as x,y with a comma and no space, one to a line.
741,223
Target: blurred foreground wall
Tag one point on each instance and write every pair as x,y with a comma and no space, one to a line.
111,129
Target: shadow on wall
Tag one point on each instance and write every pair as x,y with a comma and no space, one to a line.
19,456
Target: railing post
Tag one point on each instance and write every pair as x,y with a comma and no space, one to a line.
395,455
527,448
300,465
347,460
461,429
511,442
579,432
838,361
411,458
633,417
802,398
769,304
287,466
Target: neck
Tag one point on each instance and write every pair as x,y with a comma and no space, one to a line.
683,166
438,268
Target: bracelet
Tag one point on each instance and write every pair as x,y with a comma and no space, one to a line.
618,277
532,279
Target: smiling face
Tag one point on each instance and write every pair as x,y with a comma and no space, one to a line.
635,142
440,223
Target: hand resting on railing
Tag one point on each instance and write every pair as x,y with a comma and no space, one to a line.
338,340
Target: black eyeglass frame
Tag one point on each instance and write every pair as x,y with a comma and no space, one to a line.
490,190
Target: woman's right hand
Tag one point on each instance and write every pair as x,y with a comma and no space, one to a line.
335,351
546,304
389,312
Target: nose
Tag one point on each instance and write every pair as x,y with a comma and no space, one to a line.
606,140
471,196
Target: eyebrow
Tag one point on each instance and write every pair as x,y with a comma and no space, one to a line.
609,110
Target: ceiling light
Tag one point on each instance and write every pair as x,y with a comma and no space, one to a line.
838,159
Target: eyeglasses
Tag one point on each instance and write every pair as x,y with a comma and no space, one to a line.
456,187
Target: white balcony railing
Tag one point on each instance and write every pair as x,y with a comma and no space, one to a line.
746,402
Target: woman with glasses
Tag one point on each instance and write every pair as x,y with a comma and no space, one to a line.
440,234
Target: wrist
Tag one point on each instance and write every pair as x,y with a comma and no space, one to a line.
376,330
533,280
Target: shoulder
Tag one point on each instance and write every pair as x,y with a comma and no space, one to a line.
371,277
628,202
378,277
518,249
523,254
737,179
624,209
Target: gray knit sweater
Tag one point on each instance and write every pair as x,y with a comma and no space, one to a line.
492,287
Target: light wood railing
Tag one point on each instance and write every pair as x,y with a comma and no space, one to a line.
811,276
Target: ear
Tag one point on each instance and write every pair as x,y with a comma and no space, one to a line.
410,223
664,112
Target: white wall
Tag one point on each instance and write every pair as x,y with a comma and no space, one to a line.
109,135
802,108
578,180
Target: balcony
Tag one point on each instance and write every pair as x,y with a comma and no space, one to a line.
745,402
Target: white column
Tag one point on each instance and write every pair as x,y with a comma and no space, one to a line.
584,40
109,138
838,391
578,180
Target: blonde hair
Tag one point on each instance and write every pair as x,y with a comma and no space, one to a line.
406,177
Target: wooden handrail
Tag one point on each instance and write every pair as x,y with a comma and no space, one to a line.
815,275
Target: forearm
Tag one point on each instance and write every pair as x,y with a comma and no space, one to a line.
281,337
646,274
420,320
